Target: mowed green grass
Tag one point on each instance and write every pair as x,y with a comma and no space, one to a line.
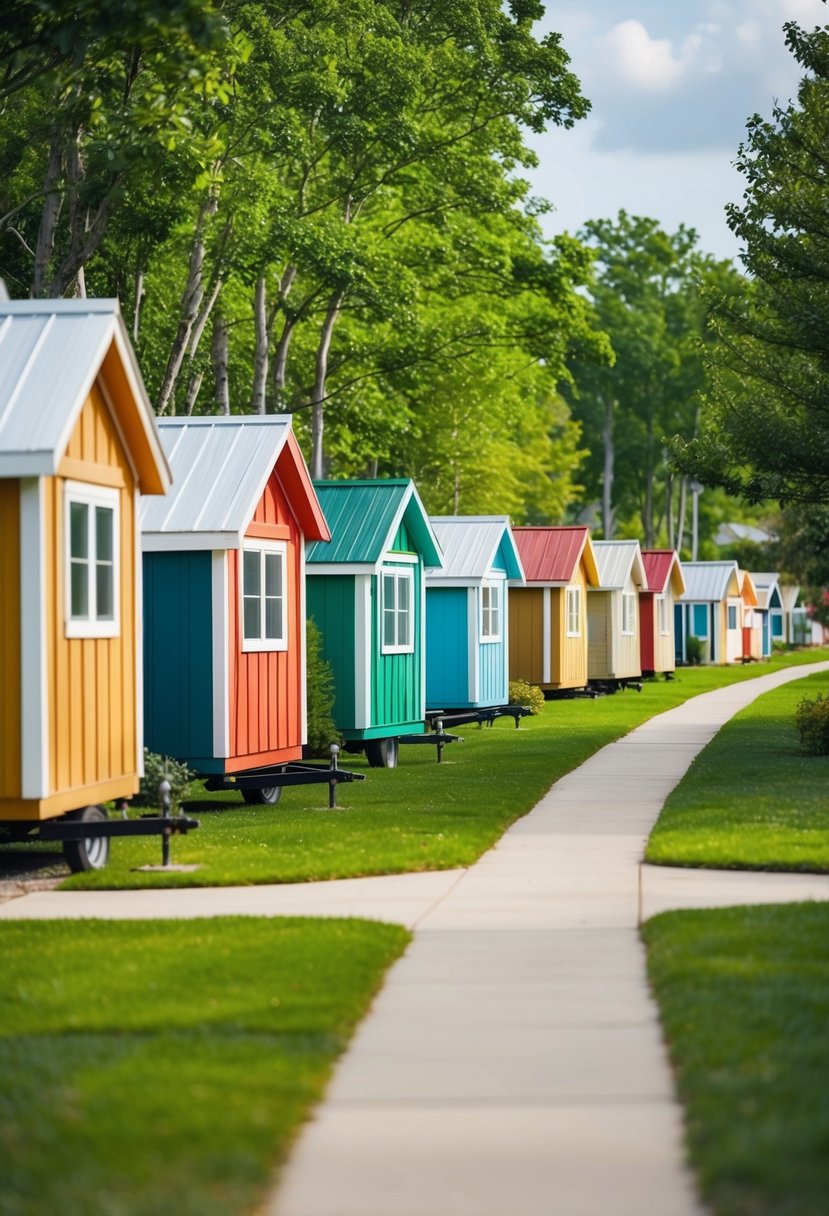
751,799
744,999
152,1067
420,816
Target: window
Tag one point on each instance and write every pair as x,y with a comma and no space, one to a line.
700,621
732,616
92,561
264,612
397,607
628,612
662,613
573,610
491,612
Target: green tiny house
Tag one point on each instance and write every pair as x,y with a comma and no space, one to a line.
366,593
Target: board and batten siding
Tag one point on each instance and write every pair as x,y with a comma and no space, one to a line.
330,602
396,679
526,634
599,642
627,659
10,675
265,687
447,647
664,648
569,654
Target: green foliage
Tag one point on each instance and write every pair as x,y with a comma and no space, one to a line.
522,693
320,694
812,725
694,649
157,769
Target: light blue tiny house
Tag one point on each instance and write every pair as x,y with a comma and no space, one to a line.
467,630
366,593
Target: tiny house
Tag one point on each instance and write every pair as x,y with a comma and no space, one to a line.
224,596
366,594
794,615
710,609
770,607
613,644
548,612
665,584
752,620
78,449
467,612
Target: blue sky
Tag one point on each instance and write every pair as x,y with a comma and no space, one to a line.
672,85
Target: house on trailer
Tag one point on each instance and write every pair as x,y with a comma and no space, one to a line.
467,612
548,612
770,607
613,641
78,448
663,573
710,609
366,594
752,620
224,596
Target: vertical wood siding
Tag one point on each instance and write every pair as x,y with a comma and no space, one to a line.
330,601
447,659
265,686
627,658
648,631
599,644
493,673
10,638
569,655
92,681
664,648
526,634
396,678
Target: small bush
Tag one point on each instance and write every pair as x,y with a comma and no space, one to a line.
522,693
322,731
811,722
156,768
694,650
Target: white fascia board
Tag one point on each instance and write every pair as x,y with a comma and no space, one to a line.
303,631
138,584
27,464
473,631
323,568
453,582
169,542
362,651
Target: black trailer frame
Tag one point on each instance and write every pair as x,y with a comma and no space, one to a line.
278,775
485,716
63,829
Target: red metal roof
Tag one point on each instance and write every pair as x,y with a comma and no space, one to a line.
658,564
550,555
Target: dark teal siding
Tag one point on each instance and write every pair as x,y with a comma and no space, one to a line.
330,601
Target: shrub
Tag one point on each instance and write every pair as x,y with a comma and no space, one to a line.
156,768
811,722
694,649
522,693
322,731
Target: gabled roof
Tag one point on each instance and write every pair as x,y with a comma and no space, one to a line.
551,555
471,545
661,567
710,581
766,584
618,562
51,353
789,595
747,588
365,517
221,467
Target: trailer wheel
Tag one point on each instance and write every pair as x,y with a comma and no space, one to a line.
382,753
269,796
91,852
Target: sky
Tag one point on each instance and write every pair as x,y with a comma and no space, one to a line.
672,84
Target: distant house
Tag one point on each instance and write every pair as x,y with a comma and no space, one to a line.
770,607
711,609
752,619
224,596
366,593
613,645
548,613
794,615
78,450
467,612
665,583
734,533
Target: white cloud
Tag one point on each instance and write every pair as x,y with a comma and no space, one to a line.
641,61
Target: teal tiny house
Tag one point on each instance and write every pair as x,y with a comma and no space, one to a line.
366,594
467,630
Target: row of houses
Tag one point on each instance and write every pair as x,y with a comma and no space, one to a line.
156,577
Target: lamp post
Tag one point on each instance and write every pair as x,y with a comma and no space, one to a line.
696,489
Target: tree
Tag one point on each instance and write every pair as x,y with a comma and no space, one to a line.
766,431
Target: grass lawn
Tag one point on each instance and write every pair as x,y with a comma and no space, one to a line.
744,997
420,816
751,800
166,1066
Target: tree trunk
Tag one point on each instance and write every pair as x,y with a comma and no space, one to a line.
260,357
50,214
139,296
190,303
669,506
608,527
220,363
280,362
683,505
193,392
318,395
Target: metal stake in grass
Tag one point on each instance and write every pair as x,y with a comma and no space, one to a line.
332,784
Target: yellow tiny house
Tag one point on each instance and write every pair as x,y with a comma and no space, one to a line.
78,446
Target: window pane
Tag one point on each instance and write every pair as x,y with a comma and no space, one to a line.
273,618
273,574
104,598
251,617
700,621
80,590
78,529
252,575
104,517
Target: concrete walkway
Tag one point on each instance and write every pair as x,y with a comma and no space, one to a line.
513,1064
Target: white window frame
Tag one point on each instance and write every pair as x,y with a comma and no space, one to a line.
91,496
572,608
398,574
662,615
628,613
493,590
264,548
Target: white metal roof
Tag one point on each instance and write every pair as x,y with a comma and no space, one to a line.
50,354
708,581
220,468
789,594
764,584
470,544
618,561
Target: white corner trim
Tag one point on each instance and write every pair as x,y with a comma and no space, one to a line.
34,694
421,633
303,644
139,631
221,653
